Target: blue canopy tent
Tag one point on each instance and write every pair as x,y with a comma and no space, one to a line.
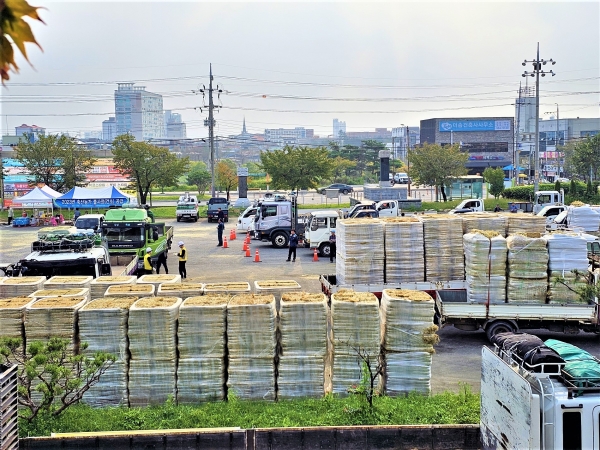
510,167
92,198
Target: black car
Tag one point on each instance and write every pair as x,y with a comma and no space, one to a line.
342,188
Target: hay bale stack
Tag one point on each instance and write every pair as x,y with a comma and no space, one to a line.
360,254
12,312
21,286
404,251
103,326
567,252
527,268
228,288
251,321
159,279
202,349
407,336
354,324
99,285
524,223
444,258
69,282
183,290
277,288
485,222
67,292
485,266
130,290
152,345
303,326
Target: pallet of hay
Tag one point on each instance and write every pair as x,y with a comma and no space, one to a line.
183,290
157,279
67,292
152,330
567,257
202,348
524,223
303,345
484,222
443,242
130,290
485,266
21,286
69,282
251,322
103,326
404,251
277,288
230,288
527,268
12,313
360,254
99,285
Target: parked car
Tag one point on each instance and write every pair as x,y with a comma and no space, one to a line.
342,188
401,178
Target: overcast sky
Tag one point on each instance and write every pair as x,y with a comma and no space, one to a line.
288,64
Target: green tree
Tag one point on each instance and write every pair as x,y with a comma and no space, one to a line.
226,175
583,158
56,161
495,177
434,165
200,177
297,167
340,167
146,164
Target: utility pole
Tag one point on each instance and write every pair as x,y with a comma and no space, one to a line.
537,71
516,140
407,160
556,141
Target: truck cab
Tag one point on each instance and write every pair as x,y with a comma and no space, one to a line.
187,208
388,208
318,229
274,220
550,212
547,198
472,204
246,219
213,208
90,222
367,204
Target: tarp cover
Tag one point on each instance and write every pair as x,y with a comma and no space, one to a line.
92,198
37,198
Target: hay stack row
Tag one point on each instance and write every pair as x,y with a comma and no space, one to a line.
567,253
527,268
99,285
443,242
360,253
404,263
20,286
485,266
69,282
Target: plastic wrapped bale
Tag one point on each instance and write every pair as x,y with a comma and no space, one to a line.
583,217
404,251
484,221
151,381
130,290
202,348
251,321
485,266
360,255
12,312
277,288
103,327
67,292
20,286
303,326
183,290
444,258
230,288
524,223
158,279
69,282
527,269
567,253
99,285
407,372
564,287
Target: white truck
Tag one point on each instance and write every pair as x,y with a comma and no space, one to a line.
547,198
469,205
187,208
318,228
388,208
550,212
246,219
536,407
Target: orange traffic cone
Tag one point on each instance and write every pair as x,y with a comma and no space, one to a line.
315,256
232,235
245,247
247,238
225,245
257,257
248,254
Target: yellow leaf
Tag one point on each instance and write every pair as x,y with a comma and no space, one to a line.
7,56
20,33
20,8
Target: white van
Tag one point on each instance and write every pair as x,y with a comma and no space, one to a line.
246,218
401,178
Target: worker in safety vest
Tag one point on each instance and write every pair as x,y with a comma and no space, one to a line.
182,260
148,261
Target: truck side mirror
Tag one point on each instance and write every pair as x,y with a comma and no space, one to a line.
105,270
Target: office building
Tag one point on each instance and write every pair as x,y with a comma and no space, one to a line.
174,127
339,129
109,129
32,131
139,112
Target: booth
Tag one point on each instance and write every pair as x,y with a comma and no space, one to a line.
84,198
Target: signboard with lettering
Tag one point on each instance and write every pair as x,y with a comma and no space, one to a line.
474,125
484,147
242,171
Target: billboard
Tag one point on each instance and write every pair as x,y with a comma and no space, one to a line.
474,125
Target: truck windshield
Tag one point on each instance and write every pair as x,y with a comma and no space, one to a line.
124,234
87,224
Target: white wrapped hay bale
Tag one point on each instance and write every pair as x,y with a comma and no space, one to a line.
364,270
230,288
300,376
99,285
153,328
183,290
485,222
12,312
200,380
347,372
444,258
69,282
130,290
360,255
151,381
276,287
251,322
564,287
157,279
583,217
111,388
20,286
407,372
567,253
527,268
485,266
67,292
404,250
524,223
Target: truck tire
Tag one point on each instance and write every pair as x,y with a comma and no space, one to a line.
499,326
179,219
325,249
196,219
279,239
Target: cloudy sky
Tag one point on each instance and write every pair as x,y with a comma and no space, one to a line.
285,64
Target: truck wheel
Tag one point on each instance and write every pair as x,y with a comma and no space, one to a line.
279,240
179,219
499,326
325,250
195,219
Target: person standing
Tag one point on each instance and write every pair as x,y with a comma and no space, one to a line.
332,247
220,214
182,260
293,245
162,261
77,214
148,261
220,229
150,213
11,214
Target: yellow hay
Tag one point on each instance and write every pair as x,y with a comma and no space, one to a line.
431,339
532,235
348,295
111,303
180,287
137,288
110,279
156,278
56,292
487,233
58,302
276,283
409,294
207,300
71,279
225,286
301,297
14,302
251,299
360,221
23,280
400,219
442,217
156,302
577,203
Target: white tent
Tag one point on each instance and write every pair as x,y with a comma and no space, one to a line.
37,198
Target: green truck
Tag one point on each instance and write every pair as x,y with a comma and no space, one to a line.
129,231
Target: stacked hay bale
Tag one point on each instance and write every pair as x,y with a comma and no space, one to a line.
229,288
103,327
99,285
404,251
354,324
251,321
303,345
276,287
21,286
67,292
360,255
12,312
485,266
484,221
130,290
159,279
183,290
444,258
567,252
153,348
407,338
524,223
202,348
527,268
69,282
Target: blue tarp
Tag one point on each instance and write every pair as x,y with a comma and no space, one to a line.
92,198
510,167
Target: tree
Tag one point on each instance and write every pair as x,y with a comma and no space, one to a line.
434,165
13,25
56,161
200,177
226,174
50,377
297,167
583,157
495,177
146,164
340,167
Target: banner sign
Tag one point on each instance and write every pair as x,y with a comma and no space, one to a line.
474,125
90,203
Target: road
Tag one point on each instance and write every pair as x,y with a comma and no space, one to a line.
457,358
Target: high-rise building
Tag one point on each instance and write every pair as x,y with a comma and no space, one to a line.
174,127
109,129
139,112
285,136
339,127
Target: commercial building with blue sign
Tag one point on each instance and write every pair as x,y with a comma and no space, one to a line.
487,140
